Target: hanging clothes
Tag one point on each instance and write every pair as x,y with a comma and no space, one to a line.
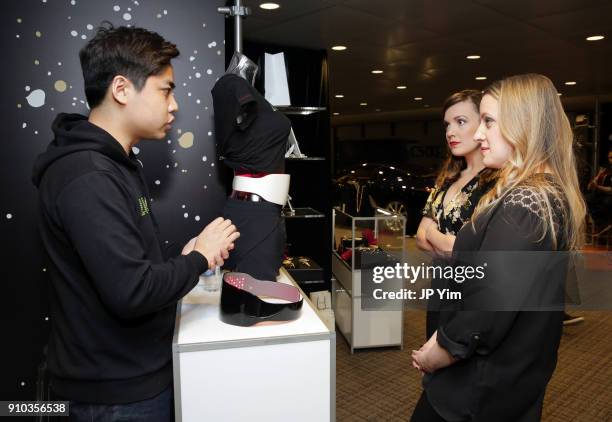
252,139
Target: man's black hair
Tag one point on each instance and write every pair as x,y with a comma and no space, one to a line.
135,53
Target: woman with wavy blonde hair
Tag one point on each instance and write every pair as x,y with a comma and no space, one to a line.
496,348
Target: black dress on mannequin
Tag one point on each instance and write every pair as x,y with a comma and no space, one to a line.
252,140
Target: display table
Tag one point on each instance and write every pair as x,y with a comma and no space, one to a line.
266,373
362,328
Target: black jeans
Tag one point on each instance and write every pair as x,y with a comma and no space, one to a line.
156,409
423,412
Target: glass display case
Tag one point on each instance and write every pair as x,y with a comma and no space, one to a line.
359,245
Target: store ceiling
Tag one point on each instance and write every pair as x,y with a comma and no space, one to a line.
423,45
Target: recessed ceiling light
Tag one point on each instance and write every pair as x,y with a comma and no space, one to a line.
559,94
426,105
570,83
418,98
481,78
269,6
339,47
339,96
595,38
336,114
377,109
363,104
401,87
473,57
377,71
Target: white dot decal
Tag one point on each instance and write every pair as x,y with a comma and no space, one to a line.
36,98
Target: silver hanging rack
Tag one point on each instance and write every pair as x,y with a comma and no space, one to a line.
237,11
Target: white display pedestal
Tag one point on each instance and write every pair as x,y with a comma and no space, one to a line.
283,372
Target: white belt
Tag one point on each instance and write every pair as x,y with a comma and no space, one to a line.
273,187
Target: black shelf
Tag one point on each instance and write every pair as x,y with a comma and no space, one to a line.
305,158
299,110
302,212
308,229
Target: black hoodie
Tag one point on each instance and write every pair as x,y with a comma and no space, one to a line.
112,296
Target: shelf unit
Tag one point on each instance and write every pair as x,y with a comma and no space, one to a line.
306,217
309,225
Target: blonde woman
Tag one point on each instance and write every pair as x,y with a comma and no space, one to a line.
494,364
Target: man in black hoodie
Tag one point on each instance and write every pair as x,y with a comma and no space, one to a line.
113,294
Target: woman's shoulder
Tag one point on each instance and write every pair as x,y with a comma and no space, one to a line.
539,198
537,194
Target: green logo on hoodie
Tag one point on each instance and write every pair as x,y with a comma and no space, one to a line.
144,207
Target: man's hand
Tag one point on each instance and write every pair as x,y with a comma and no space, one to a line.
431,356
215,241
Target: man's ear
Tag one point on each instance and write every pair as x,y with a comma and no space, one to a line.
121,88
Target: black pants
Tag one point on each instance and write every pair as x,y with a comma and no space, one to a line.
423,412
156,409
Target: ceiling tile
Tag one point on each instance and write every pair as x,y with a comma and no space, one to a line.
529,9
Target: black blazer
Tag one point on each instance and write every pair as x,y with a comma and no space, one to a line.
506,329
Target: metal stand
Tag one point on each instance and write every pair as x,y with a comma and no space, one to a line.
238,12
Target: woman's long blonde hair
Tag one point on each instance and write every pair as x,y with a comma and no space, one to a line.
531,118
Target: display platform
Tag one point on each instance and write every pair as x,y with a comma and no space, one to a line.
228,373
364,328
